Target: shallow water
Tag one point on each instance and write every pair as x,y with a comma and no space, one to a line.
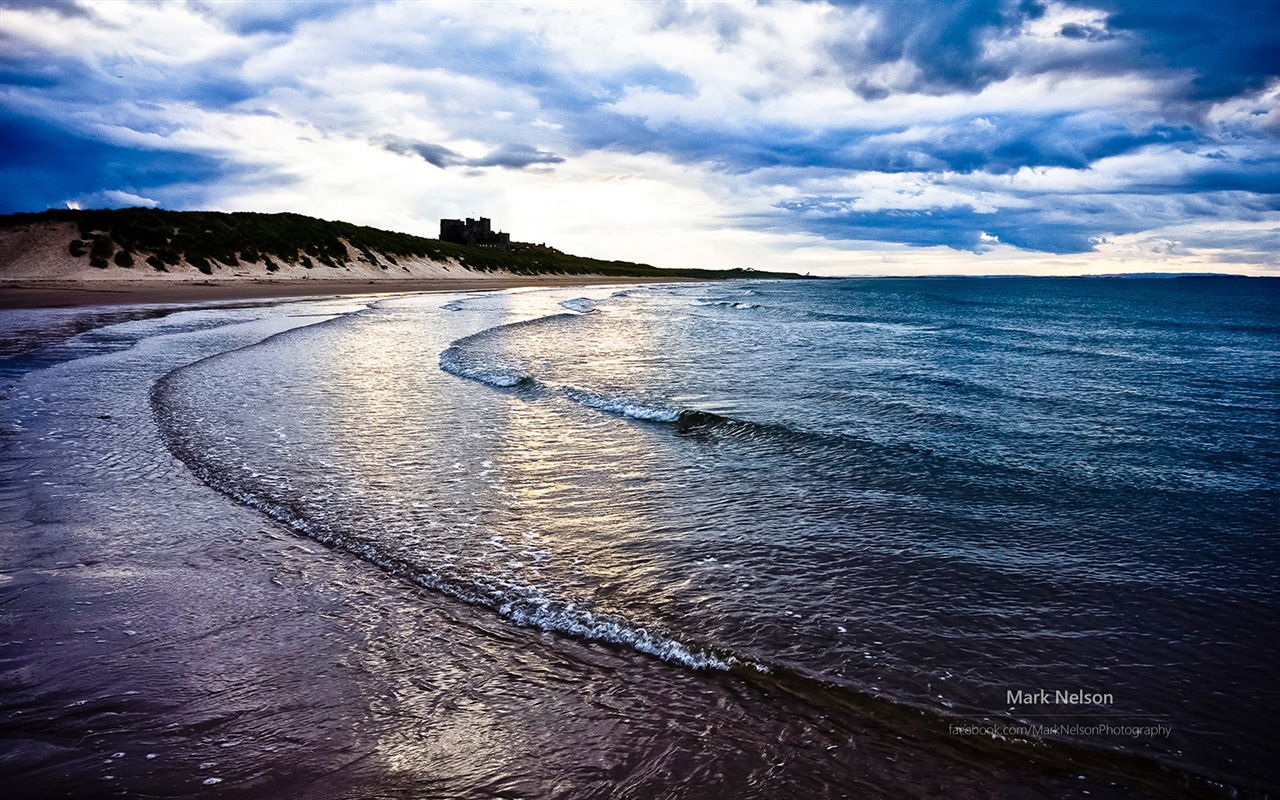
786,538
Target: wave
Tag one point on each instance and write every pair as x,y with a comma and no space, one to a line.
530,609
730,304
806,315
456,361
582,305
623,406
686,420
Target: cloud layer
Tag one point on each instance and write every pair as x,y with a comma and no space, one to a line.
972,136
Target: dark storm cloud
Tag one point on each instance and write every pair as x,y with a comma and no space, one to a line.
1231,46
516,156
434,154
943,40
1091,33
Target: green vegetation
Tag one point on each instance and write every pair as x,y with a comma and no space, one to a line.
210,238
100,251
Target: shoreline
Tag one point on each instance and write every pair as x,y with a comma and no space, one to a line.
72,294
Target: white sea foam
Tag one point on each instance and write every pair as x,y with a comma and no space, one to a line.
534,610
582,305
455,362
738,304
622,406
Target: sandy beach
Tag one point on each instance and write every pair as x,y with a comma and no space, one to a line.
38,271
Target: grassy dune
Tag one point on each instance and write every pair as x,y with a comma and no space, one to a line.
156,239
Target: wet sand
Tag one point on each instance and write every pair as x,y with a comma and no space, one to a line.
58,294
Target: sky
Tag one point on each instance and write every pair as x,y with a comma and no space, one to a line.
883,137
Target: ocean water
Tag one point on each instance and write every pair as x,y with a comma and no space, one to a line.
918,502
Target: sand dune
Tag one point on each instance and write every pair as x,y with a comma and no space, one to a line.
37,269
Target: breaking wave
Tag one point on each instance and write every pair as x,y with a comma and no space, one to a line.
780,313
582,305
623,406
457,361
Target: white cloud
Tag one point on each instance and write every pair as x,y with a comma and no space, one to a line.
111,198
686,130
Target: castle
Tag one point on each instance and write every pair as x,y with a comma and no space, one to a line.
474,232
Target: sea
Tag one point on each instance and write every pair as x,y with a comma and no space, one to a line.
925,537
